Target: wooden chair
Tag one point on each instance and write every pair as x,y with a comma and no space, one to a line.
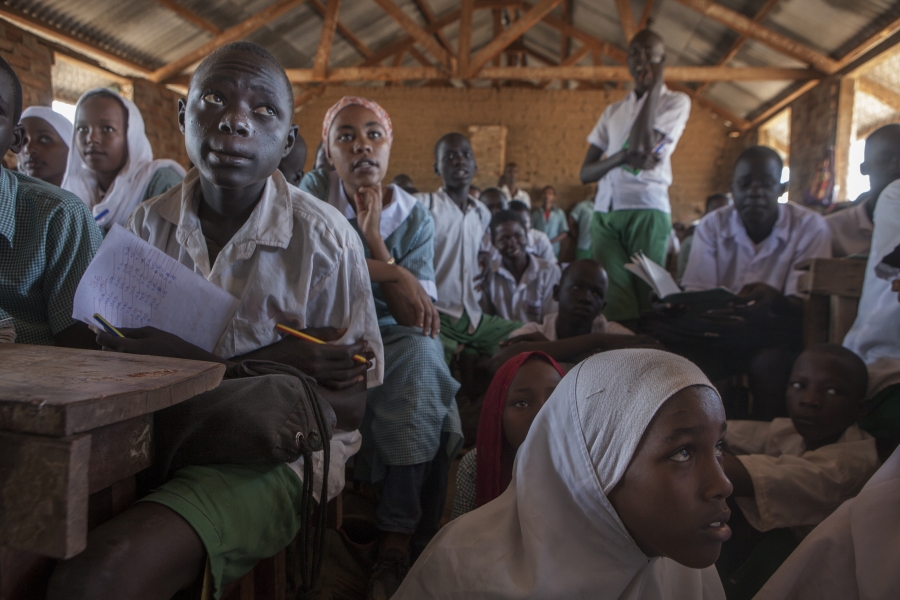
834,286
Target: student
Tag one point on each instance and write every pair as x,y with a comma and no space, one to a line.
475,192
405,182
111,166
852,553
291,166
630,156
509,183
45,147
580,227
617,492
578,329
550,219
322,163
520,286
851,228
290,259
495,200
538,242
794,472
518,391
411,430
457,240
873,335
713,202
47,241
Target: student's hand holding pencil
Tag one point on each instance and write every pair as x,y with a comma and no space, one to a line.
331,365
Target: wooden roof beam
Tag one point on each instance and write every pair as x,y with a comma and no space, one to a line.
609,50
645,15
467,10
426,13
739,43
779,104
189,15
232,34
58,36
326,40
755,31
571,60
408,42
737,122
421,36
880,92
343,30
517,29
626,18
870,43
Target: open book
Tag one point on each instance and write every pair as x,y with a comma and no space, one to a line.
664,286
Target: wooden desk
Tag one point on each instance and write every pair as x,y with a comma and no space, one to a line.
834,286
74,424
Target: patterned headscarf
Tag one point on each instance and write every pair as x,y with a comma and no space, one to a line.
371,105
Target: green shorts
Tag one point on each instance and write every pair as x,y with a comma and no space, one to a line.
484,341
242,513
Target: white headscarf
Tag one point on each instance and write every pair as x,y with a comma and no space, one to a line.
854,553
62,125
130,185
553,533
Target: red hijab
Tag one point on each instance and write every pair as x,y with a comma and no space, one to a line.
488,484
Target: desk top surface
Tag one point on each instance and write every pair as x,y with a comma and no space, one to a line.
62,391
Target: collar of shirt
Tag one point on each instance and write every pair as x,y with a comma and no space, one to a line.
530,273
270,224
9,186
392,216
471,203
781,231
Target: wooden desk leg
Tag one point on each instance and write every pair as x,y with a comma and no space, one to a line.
842,315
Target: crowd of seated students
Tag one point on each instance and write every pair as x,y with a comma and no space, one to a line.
606,463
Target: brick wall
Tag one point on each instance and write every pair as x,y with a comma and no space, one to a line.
31,59
159,107
547,133
814,118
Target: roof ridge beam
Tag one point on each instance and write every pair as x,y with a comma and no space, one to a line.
420,35
511,34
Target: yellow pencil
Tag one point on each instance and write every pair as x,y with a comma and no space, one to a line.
305,336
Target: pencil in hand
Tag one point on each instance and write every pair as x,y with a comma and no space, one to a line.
107,326
305,336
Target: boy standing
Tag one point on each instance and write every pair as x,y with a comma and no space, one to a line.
511,185
47,240
291,259
630,156
550,219
461,222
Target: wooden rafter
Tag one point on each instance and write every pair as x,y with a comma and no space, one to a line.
609,50
645,15
189,15
746,27
870,43
626,19
739,43
421,58
779,104
571,60
343,30
58,36
426,13
422,36
736,121
232,34
515,30
408,42
329,26
59,57
467,10
308,96
880,92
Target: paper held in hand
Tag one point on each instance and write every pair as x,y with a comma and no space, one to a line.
655,276
132,284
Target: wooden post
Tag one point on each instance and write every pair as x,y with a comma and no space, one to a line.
844,135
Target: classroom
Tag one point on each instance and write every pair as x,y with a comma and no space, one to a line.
499,299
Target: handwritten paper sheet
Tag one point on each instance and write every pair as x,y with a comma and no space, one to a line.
132,284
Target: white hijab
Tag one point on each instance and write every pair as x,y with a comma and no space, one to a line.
854,553
130,186
62,125
553,533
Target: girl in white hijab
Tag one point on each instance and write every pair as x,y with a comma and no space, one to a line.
111,166
45,149
617,493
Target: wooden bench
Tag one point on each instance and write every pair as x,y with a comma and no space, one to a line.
834,286
75,428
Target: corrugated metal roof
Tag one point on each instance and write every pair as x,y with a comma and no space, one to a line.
147,33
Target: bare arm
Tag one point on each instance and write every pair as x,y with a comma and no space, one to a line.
560,237
643,137
595,167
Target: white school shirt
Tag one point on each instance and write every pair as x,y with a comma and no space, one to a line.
317,276
538,244
521,195
529,299
458,239
548,327
793,486
851,231
620,189
723,255
875,335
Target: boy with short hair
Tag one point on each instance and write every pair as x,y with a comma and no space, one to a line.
519,286
291,259
461,222
47,240
538,242
713,202
578,329
550,219
510,185
292,165
851,228
495,199
794,472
